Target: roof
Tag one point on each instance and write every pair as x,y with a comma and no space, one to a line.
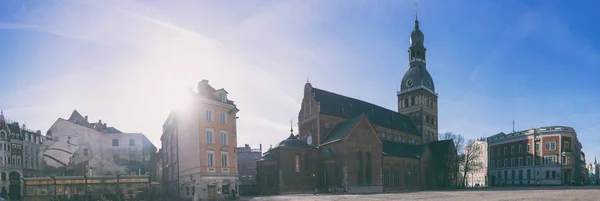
341,106
440,146
208,92
341,130
391,148
293,142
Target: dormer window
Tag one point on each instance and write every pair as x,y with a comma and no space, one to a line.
221,95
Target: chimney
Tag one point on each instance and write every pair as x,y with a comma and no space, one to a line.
246,145
202,84
260,148
86,118
104,125
100,121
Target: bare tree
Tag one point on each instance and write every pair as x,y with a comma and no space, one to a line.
470,160
459,140
454,162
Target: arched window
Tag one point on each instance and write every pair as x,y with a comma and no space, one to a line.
2,134
397,175
368,170
3,176
306,161
297,167
386,174
359,165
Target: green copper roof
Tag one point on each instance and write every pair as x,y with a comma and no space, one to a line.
341,106
341,130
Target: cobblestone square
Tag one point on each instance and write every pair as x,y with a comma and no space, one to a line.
524,193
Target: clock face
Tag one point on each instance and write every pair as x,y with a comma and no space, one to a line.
309,140
409,82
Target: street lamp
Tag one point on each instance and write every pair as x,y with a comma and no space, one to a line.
193,187
562,163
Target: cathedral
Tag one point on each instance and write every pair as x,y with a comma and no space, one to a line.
346,145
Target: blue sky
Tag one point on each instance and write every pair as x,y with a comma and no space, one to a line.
126,62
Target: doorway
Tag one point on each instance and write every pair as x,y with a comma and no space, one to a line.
212,192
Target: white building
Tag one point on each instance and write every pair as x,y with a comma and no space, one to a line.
76,147
478,177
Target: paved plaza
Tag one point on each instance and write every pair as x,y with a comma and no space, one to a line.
523,193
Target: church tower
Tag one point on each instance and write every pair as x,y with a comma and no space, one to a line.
417,97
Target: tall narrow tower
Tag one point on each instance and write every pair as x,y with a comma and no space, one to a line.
417,97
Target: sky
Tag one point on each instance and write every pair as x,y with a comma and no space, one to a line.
128,62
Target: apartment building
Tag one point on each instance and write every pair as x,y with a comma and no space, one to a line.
247,157
19,156
198,147
540,156
478,177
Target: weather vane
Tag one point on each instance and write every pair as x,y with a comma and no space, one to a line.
416,12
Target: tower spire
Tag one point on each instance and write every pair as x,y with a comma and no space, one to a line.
2,116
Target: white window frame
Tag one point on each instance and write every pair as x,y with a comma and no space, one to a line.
211,139
224,155
210,159
221,134
223,118
209,115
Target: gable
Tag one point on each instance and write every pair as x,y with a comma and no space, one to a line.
346,107
340,130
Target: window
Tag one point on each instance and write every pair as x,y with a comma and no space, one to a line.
115,158
382,134
359,169
306,162
528,174
547,174
537,146
498,152
399,138
406,102
297,163
223,118
85,152
413,142
224,159
566,146
209,160
520,148
492,152
396,176
553,174
386,176
505,163
505,151
131,142
551,159
528,148
209,136
528,160
498,164
550,145
208,115
368,168
412,100
187,189
512,150
115,142
520,161
223,137
512,162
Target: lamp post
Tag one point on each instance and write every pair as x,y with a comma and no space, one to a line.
193,187
315,183
562,163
